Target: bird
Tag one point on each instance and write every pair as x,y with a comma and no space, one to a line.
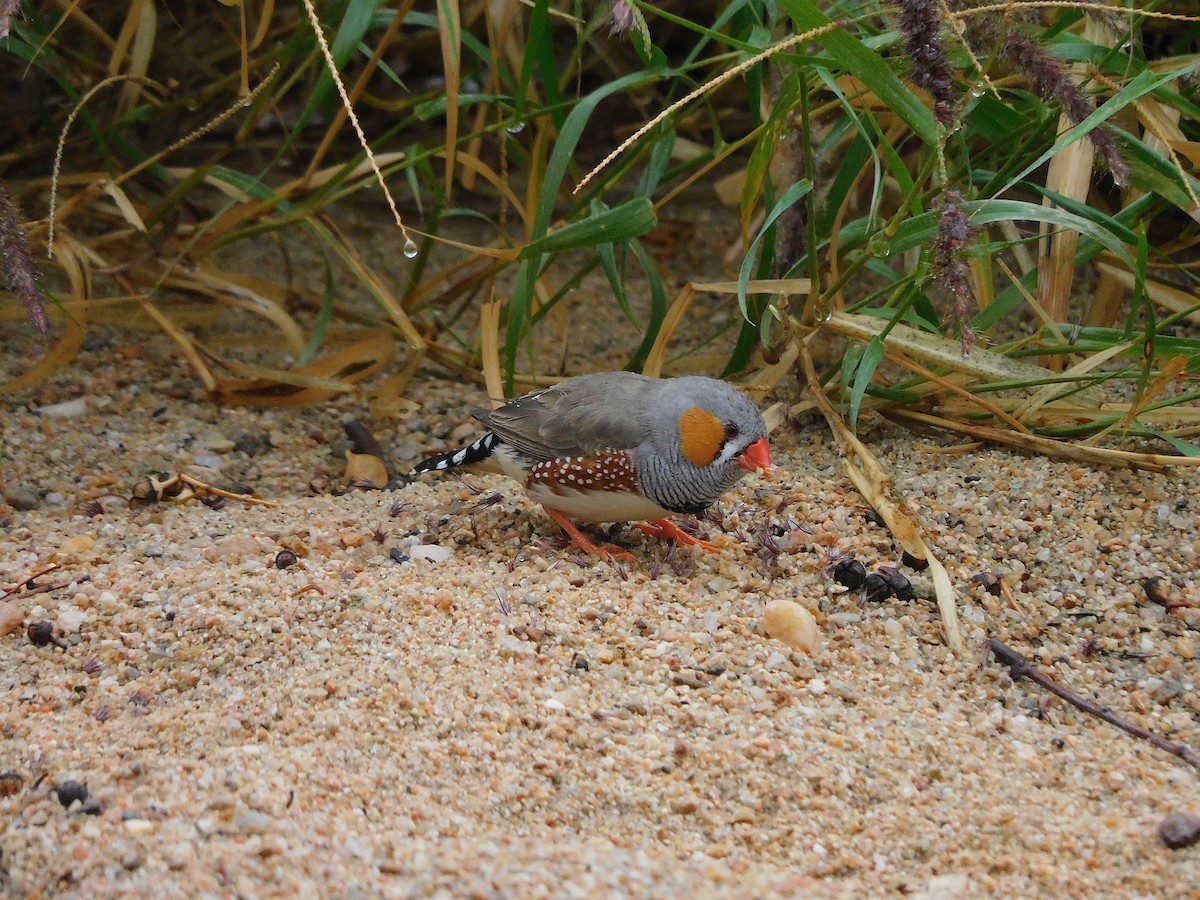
620,447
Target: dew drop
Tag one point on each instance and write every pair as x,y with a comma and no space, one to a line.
410,248
516,127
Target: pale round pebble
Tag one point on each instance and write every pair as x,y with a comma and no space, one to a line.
788,621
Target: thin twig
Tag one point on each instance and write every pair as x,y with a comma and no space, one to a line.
28,579
1020,668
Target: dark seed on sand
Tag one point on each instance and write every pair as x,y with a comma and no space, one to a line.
850,573
898,583
42,633
10,783
1158,590
70,791
1179,830
876,588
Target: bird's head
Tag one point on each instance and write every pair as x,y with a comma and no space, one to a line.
718,428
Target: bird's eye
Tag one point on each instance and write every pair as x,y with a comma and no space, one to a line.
731,431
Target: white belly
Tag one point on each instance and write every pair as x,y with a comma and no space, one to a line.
601,506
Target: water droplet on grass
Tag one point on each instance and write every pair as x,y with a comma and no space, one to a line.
515,127
410,248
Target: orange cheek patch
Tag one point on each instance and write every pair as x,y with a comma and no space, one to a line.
700,435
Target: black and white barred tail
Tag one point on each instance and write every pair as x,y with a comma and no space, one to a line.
475,453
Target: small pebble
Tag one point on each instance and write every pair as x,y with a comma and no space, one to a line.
249,442
23,498
431,552
70,791
71,619
10,783
11,617
1179,830
79,543
285,559
989,581
68,409
791,623
138,826
251,821
1158,590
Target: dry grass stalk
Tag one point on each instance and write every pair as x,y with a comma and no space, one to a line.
362,138
1070,174
937,350
707,87
1032,443
1167,296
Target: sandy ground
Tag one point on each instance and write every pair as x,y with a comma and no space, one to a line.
515,721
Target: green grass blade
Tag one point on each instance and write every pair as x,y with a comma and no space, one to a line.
857,59
609,226
871,358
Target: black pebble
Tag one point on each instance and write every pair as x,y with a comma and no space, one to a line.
70,791
285,559
396,555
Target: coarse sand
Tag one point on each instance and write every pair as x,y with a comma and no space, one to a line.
507,719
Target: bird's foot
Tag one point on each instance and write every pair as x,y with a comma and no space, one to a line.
609,552
665,528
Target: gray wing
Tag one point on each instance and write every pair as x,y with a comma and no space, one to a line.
577,417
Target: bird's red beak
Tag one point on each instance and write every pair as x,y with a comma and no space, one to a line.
756,456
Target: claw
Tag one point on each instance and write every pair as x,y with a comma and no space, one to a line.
609,552
665,528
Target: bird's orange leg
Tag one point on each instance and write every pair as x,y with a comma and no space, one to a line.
581,540
665,528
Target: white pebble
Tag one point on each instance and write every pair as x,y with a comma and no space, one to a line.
70,619
431,552
68,409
